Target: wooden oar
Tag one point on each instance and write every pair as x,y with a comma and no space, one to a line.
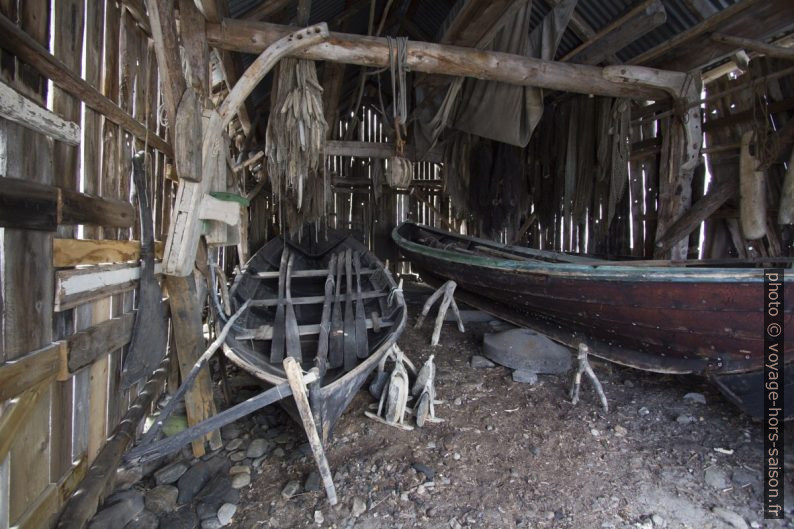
321,360
350,324
362,345
277,344
291,324
336,351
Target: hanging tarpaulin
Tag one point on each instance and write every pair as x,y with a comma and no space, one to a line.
505,112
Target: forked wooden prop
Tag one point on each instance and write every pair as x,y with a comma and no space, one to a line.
192,197
448,291
585,367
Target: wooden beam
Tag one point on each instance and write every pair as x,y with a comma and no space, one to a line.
29,370
138,12
693,49
700,211
27,49
194,40
702,8
368,149
86,346
80,285
20,109
83,503
769,50
28,205
78,208
619,34
78,252
253,37
166,47
214,12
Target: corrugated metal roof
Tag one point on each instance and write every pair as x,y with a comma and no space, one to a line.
429,16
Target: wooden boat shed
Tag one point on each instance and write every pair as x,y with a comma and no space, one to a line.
653,129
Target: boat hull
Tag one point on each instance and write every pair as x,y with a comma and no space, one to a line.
676,321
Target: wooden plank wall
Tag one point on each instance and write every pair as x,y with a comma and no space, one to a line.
576,177
71,420
353,205
732,106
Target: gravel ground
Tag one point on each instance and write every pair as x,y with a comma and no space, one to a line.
513,455
670,453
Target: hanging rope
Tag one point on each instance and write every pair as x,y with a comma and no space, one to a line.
398,59
400,170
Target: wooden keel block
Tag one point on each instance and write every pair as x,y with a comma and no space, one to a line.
298,385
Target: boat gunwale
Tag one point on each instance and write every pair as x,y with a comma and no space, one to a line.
580,271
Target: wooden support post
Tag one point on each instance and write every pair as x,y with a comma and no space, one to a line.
166,47
186,318
296,383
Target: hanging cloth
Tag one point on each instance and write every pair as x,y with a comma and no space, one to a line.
506,112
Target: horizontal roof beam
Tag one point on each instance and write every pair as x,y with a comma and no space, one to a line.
633,82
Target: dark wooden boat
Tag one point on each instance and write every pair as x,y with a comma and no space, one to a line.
306,301
667,319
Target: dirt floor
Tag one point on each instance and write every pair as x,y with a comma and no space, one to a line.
512,455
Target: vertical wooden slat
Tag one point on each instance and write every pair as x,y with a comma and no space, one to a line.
26,290
68,48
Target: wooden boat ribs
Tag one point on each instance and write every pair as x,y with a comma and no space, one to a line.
327,305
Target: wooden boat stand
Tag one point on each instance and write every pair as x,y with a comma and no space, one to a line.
585,367
448,291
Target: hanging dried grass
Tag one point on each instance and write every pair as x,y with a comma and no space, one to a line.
295,139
